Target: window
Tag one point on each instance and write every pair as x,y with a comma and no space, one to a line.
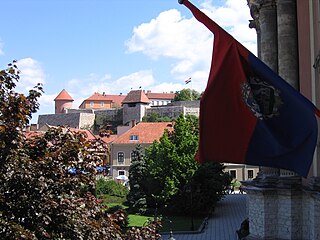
131,105
133,155
134,137
91,104
101,104
121,172
250,174
120,157
233,174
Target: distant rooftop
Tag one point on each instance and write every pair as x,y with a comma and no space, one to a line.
64,95
164,96
106,97
136,96
147,132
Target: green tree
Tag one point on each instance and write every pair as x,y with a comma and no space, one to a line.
137,198
155,117
39,197
187,94
171,162
162,178
208,185
173,175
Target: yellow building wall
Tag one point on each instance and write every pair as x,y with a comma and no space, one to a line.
96,105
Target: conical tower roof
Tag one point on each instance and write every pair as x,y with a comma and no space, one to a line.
63,95
136,96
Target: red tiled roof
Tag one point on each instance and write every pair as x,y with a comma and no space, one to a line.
88,134
136,96
147,132
63,95
33,134
109,139
118,99
166,96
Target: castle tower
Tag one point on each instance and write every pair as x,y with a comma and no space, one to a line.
62,102
134,106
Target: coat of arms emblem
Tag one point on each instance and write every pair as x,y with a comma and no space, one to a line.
261,98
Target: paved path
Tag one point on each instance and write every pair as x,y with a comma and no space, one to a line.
226,219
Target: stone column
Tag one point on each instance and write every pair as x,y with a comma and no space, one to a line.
254,11
289,219
288,42
264,14
269,33
288,49
262,193
262,206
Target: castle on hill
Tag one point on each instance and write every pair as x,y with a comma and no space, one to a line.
100,109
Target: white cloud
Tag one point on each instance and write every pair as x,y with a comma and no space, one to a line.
86,86
234,16
46,101
46,106
189,42
168,36
142,79
31,74
83,88
167,87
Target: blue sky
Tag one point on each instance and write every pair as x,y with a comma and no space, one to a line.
112,46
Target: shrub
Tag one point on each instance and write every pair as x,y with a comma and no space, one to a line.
110,187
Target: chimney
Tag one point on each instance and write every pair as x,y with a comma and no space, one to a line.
27,128
133,123
34,127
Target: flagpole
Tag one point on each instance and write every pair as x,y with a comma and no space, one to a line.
187,82
191,91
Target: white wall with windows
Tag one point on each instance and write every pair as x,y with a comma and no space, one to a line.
159,102
241,172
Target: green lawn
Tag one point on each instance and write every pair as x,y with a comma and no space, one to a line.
181,223
138,220
178,223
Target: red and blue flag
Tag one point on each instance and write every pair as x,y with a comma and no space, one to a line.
250,115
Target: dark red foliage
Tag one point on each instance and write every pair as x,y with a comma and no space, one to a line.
39,198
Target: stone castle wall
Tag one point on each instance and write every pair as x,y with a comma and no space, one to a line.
112,114
175,109
85,118
133,112
74,120
169,111
188,104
